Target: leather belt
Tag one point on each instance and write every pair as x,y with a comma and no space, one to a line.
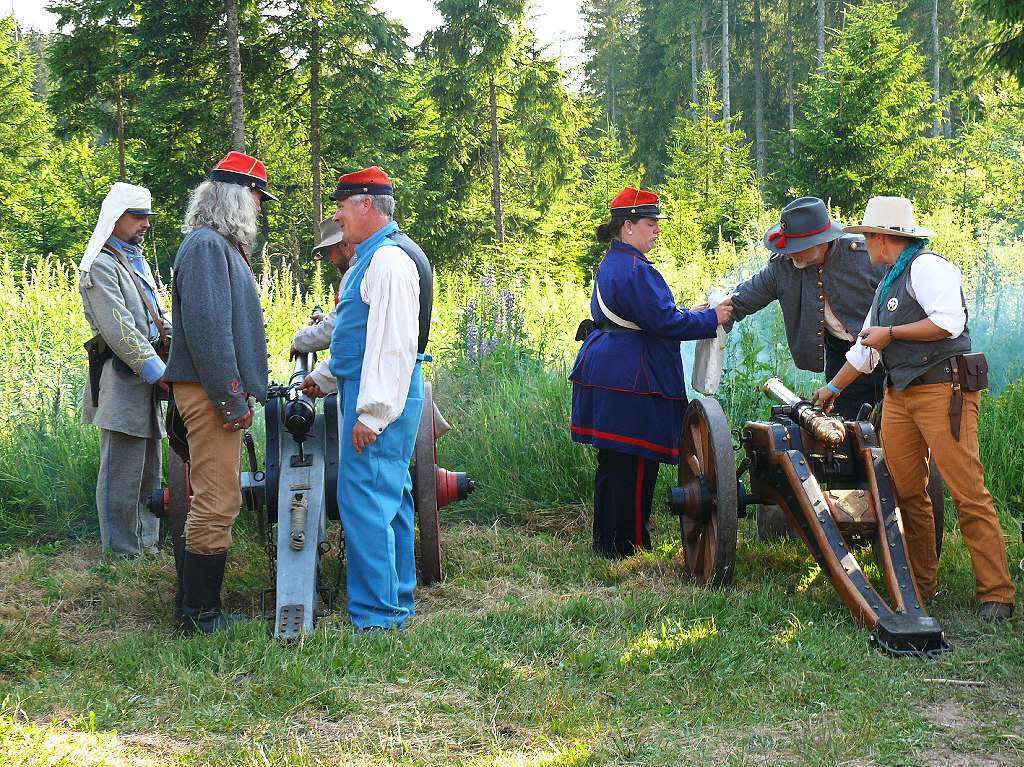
947,371
611,328
941,373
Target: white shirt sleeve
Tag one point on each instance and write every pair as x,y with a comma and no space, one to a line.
315,338
324,378
935,284
391,288
864,358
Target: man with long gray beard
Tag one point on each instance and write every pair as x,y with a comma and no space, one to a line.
218,362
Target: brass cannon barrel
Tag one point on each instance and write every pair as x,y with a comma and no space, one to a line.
824,428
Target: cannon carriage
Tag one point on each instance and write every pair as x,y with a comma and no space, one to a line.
295,496
830,480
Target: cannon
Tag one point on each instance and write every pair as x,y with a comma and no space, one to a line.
295,495
830,480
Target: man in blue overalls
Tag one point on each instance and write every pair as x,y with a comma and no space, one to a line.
376,349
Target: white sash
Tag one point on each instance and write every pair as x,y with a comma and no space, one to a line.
616,319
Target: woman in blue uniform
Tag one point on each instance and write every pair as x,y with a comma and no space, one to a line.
628,394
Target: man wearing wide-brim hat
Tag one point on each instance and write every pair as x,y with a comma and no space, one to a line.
123,307
917,328
823,281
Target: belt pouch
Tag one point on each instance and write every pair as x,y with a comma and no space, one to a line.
973,372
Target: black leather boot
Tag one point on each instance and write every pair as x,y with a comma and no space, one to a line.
179,593
202,578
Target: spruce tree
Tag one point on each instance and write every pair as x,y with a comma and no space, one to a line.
865,119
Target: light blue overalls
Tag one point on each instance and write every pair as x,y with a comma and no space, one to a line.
374,487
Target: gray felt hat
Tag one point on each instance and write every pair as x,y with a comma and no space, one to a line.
330,234
804,223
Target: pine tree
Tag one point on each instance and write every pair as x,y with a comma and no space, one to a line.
863,130
711,188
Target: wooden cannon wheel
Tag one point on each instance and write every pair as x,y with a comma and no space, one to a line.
707,462
424,472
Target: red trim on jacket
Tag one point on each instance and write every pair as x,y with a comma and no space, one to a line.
672,451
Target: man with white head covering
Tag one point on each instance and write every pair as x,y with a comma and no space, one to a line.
917,328
123,308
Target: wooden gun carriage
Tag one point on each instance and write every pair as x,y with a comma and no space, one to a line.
830,479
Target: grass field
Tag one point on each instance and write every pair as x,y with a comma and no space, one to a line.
533,651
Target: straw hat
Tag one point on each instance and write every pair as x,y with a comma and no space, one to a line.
890,215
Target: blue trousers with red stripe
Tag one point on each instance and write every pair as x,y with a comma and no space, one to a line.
623,491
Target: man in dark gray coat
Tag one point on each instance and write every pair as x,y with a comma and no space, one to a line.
823,281
218,362
116,285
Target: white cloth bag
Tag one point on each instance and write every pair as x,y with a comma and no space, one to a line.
709,355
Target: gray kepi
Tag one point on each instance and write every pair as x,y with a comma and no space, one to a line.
804,223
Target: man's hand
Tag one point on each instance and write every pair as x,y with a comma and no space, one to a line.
824,398
362,435
876,337
239,423
724,311
310,388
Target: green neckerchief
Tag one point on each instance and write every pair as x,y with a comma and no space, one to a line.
899,267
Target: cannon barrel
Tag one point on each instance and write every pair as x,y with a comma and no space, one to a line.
824,428
299,410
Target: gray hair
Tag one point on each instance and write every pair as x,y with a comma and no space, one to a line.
226,208
382,203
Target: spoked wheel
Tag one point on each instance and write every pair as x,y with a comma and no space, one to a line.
706,497
428,519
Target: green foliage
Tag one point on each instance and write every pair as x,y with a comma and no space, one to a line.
863,122
711,188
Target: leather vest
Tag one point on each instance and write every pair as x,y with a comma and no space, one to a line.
906,360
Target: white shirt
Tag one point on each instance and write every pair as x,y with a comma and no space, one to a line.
936,285
391,288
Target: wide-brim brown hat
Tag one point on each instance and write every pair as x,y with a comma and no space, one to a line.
804,223
330,234
891,215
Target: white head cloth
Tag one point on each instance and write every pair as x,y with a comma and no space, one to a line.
120,198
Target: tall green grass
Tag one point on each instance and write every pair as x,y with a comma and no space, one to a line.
509,409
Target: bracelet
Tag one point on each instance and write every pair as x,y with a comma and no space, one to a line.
891,336
833,388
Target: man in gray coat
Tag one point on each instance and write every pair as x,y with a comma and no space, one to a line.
123,308
823,281
218,364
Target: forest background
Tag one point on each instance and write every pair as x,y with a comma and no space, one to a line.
533,650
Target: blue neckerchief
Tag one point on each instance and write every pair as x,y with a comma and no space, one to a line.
899,267
135,260
370,243
128,249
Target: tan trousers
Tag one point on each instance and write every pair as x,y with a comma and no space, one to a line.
915,421
213,470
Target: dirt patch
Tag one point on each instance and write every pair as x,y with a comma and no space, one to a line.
947,714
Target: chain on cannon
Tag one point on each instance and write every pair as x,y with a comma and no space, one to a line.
830,479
